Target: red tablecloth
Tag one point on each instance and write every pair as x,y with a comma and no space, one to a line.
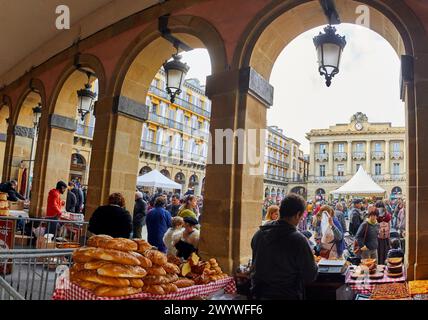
72,291
364,286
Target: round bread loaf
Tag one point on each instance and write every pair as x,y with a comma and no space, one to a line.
156,271
94,241
144,262
154,289
136,283
169,288
157,257
153,280
93,276
110,255
108,291
121,271
184,283
171,268
143,245
107,242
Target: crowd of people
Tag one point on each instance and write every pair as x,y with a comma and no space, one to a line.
293,231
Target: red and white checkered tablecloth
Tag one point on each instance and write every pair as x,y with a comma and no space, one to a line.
71,291
366,286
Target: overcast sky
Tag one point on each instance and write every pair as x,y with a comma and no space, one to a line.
368,82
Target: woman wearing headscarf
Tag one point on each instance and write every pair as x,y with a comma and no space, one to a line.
332,243
384,221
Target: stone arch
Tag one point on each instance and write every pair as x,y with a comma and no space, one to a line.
144,170
149,50
396,190
166,173
396,22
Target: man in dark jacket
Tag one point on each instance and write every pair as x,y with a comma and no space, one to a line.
356,217
283,262
10,189
140,211
70,204
158,221
174,206
79,196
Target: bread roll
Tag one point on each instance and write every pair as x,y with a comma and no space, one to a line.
93,276
110,255
154,289
156,271
171,268
144,262
212,261
174,259
153,280
143,245
121,271
78,266
107,291
95,240
184,283
171,277
94,265
136,283
169,288
157,257
79,257
86,284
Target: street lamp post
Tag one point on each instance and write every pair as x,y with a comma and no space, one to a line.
37,112
329,47
175,73
86,99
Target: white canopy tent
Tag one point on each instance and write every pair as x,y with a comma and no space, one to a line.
155,179
361,184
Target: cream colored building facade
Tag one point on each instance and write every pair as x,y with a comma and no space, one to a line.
336,154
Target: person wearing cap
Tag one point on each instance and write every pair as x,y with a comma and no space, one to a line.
189,239
55,204
140,211
356,217
10,189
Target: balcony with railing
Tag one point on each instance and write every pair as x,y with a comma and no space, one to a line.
340,156
397,155
278,147
186,104
273,177
85,131
378,155
398,177
169,152
339,178
358,155
378,177
321,156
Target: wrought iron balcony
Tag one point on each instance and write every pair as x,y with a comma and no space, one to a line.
321,156
378,155
169,152
397,155
276,178
379,177
340,156
186,104
85,131
399,177
339,178
358,155
278,147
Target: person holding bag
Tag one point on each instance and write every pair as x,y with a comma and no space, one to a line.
332,243
367,236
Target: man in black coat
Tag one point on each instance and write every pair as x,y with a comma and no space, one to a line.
10,189
356,217
140,212
283,262
70,204
175,205
79,196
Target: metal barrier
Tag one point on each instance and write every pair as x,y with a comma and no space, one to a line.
29,233
32,274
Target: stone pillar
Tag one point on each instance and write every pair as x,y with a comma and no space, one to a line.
8,154
312,169
330,170
233,191
3,139
387,158
53,159
349,171
421,116
369,157
115,151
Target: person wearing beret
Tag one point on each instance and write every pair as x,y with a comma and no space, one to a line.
189,239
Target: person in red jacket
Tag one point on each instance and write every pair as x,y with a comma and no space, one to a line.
55,204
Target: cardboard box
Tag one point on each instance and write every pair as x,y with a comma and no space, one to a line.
19,205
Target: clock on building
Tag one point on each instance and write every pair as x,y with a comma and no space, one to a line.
358,126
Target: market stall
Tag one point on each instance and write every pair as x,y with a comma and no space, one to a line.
155,179
123,269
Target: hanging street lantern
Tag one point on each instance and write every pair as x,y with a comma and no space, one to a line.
329,47
175,73
86,99
37,113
